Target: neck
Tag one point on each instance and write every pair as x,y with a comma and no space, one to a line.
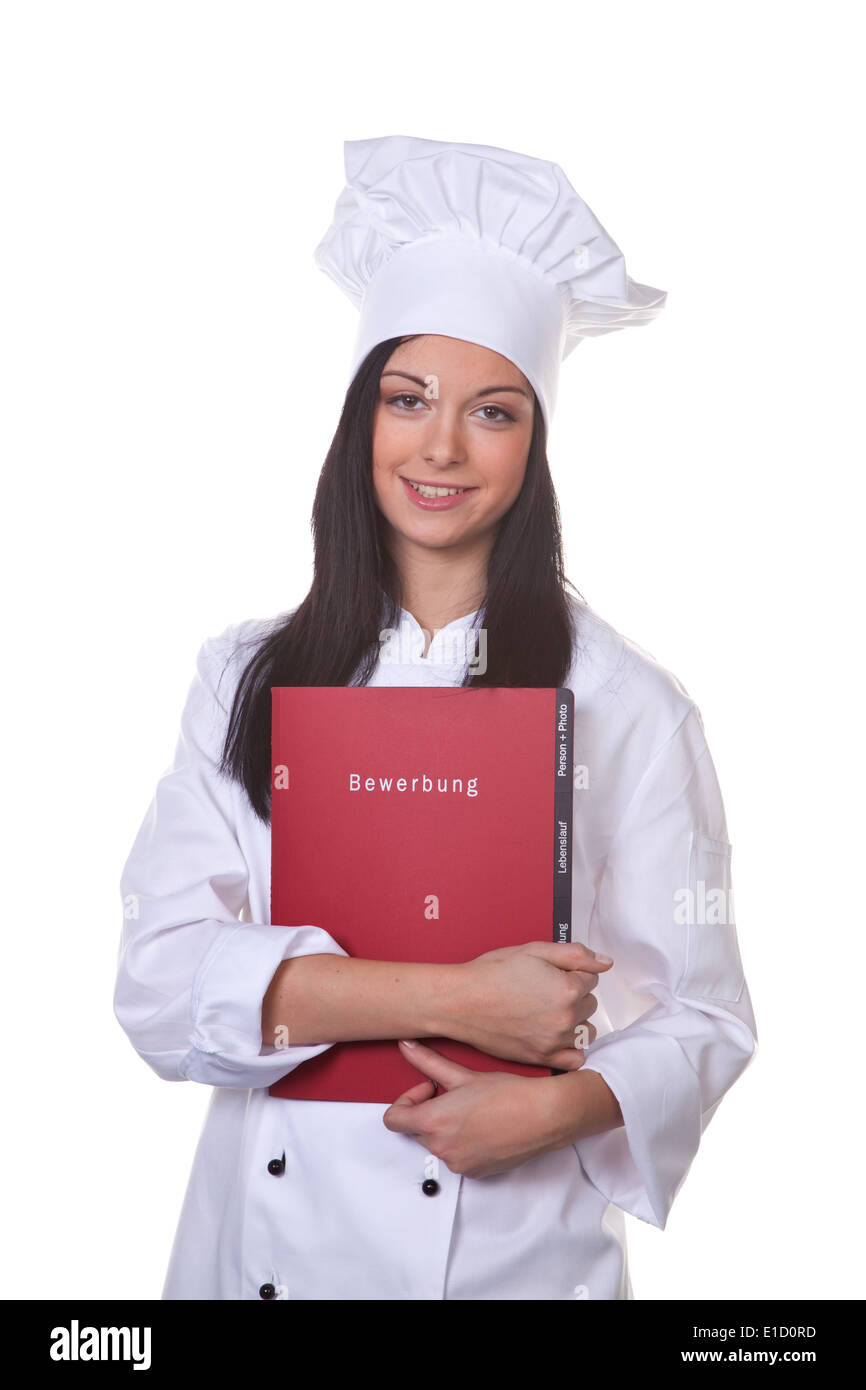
438,586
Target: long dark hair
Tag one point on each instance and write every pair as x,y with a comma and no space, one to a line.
333,636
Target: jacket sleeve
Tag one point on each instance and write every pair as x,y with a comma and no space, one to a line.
683,1028
191,975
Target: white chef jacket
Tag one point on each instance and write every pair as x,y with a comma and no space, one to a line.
349,1210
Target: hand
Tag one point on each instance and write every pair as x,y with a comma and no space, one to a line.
527,1003
484,1123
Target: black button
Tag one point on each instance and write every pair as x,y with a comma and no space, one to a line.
267,1291
429,1187
277,1166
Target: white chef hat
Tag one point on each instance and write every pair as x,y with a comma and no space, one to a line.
478,243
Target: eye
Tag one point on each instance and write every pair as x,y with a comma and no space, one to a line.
499,416
503,414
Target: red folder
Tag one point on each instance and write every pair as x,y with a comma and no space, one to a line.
418,823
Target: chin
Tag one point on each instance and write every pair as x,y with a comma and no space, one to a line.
434,539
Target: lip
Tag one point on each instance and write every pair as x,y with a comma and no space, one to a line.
434,504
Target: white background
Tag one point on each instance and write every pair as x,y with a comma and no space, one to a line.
173,366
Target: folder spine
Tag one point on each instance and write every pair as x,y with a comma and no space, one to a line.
563,803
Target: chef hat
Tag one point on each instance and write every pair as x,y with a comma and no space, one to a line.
478,243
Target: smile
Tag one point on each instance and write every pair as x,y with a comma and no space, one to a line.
428,490
431,498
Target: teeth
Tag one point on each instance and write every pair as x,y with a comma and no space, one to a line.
435,491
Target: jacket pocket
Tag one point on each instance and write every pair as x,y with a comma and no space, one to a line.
713,968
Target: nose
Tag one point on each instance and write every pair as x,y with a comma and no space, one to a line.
443,441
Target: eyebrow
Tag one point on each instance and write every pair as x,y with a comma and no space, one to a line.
485,391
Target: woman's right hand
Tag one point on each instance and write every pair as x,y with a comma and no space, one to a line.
524,1003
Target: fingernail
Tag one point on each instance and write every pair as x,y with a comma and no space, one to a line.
406,1042
605,960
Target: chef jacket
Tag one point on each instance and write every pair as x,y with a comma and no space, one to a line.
300,1199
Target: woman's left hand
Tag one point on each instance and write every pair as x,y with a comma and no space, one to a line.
482,1122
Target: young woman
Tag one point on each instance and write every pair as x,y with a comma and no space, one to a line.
435,511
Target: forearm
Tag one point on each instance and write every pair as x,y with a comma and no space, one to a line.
330,998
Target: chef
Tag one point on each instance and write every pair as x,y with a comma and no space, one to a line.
476,270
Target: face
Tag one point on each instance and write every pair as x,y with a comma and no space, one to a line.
450,414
